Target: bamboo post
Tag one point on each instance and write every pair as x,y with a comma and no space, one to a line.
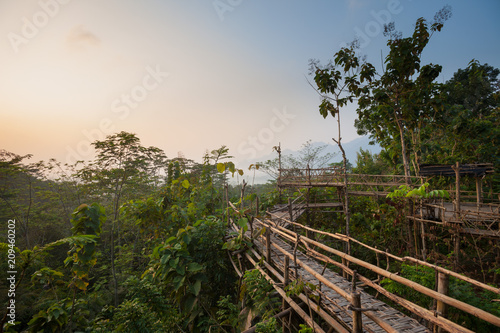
387,258
357,323
257,206
290,208
308,174
378,264
457,189
226,191
278,149
268,245
479,191
308,217
344,273
456,248
442,287
424,249
286,280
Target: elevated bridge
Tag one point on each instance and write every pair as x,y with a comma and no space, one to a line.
342,300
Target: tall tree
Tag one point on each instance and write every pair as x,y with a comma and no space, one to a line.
122,167
404,97
467,129
338,84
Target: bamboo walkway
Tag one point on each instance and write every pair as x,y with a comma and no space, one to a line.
336,305
338,300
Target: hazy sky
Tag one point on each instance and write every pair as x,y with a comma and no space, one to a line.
194,75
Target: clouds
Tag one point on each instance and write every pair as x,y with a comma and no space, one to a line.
80,39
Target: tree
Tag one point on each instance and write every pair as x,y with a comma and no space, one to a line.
122,167
370,164
467,129
338,84
404,97
312,155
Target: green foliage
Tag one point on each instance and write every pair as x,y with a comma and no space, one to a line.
260,293
176,267
238,240
48,277
269,326
145,309
458,289
404,191
192,268
56,317
298,286
87,225
370,164
422,275
305,329
401,101
228,312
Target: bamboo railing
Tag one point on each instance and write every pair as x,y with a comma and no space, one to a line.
312,248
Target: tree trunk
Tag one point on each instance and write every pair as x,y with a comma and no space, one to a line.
406,164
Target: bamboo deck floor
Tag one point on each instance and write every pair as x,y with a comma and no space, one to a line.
336,305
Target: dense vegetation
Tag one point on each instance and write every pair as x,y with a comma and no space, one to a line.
135,242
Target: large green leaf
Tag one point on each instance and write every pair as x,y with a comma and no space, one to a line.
194,267
178,282
196,287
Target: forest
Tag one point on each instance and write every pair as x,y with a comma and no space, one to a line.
134,241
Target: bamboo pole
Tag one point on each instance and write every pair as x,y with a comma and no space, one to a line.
268,245
357,323
442,287
286,280
479,191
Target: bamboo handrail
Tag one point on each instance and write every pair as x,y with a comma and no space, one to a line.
424,290
422,312
401,259
412,307
338,237
454,274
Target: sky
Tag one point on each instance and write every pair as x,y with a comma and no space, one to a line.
191,76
